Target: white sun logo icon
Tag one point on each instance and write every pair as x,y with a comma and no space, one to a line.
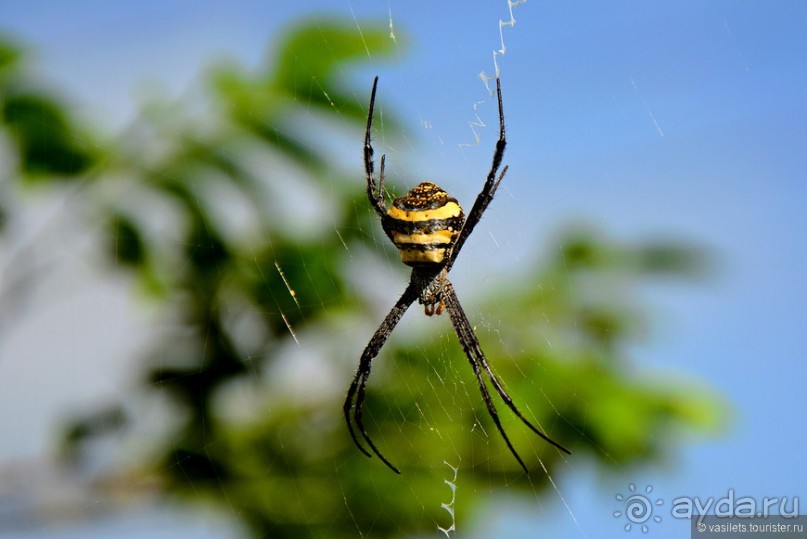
638,509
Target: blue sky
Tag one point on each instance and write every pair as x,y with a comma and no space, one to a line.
647,119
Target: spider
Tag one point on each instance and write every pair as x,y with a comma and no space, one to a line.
429,229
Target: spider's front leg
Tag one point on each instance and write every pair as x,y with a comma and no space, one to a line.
488,190
375,189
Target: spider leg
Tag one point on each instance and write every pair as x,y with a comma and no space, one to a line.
472,348
375,190
489,189
357,386
465,336
510,404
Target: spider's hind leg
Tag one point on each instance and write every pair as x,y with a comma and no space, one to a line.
357,387
473,350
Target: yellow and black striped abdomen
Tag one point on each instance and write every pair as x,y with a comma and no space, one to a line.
424,224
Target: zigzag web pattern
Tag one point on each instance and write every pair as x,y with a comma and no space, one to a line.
477,122
449,507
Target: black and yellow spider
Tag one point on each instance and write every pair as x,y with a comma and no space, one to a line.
428,228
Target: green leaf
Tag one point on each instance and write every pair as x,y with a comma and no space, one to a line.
127,245
48,145
313,55
10,55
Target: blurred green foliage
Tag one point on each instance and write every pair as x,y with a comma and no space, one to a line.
48,144
234,288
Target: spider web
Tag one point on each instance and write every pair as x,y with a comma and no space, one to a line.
319,357
306,371
451,379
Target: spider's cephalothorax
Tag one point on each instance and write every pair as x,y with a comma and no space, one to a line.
424,225
429,229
